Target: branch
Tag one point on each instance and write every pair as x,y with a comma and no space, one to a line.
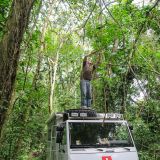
94,52
72,10
144,93
153,70
141,29
156,3
89,15
139,105
113,17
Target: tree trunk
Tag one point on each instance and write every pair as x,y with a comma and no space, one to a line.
10,51
52,77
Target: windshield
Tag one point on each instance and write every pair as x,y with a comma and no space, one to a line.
88,135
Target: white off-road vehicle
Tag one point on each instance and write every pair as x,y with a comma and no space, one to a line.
86,135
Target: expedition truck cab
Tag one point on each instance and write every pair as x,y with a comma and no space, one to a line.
86,135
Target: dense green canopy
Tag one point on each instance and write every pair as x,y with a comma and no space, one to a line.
42,45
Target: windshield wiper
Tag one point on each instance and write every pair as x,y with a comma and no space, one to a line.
100,149
105,150
127,148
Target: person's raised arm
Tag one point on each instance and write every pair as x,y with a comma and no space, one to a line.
92,53
85,58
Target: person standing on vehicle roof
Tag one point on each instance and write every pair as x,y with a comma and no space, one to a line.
85,84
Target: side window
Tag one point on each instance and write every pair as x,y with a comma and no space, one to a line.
49,134
64,138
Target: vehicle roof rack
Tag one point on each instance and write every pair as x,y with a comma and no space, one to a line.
89,114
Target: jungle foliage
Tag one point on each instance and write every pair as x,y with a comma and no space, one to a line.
124,34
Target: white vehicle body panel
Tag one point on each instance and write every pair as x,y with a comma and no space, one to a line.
64,152
129,153
95,155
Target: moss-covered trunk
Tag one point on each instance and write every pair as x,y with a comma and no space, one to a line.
10,51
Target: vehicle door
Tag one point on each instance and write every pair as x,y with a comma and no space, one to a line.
63,145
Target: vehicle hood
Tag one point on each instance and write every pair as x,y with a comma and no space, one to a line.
103,154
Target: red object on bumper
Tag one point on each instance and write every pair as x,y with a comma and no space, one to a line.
106,158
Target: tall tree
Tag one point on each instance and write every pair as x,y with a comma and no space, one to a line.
10,50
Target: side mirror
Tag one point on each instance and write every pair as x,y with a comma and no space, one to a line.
131,127
59,128
59,136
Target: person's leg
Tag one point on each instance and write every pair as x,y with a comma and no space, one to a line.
89,94
83,87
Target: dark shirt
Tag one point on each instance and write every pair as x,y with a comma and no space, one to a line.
87,70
